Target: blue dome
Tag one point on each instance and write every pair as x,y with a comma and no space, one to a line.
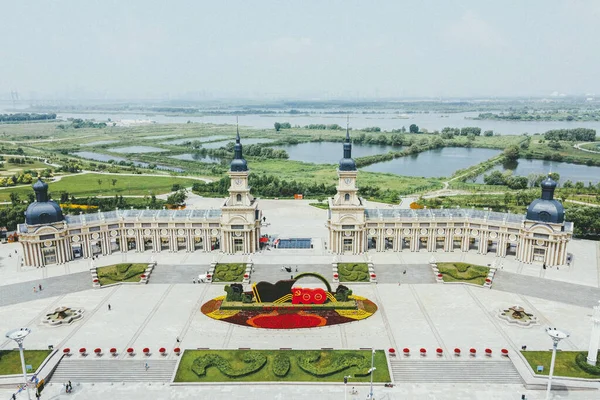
46,212
546,209
43,210
347,164
238,165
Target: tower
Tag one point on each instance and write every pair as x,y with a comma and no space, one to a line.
240,216
346,221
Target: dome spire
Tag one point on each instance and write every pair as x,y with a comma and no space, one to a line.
238,163
347,163
548,186
41,190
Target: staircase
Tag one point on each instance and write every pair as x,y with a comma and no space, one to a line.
113,371
443,371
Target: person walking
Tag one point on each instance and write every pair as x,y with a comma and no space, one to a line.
109,307
146,366
40,286
34,289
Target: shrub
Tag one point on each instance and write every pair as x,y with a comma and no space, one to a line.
581,361
313,364
281,365
253,361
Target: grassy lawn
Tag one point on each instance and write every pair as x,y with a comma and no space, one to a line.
353,272
84,185
232,359
229,273
463,272
120,273
565,363
10,361
323,205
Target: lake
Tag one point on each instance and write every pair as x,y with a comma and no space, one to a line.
330,152
434,163
136,149
388,121
90,155
197,157
567,171
191,139
219,143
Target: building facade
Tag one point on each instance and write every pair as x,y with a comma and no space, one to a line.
49,237
541,235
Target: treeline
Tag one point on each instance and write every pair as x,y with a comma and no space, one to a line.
586,221
20,160
576,134
334,127
111,203
78,123
20,117
516,182
449,132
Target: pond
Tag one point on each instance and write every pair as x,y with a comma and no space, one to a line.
197,157
567,171
331,152
137,149
191,139
434,163
99,143
90,155
220,143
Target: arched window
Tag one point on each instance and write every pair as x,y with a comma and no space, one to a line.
238,198
346,197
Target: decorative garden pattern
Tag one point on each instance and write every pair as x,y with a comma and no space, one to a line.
285,306
463,272
228,273
280,365
120,273
353,272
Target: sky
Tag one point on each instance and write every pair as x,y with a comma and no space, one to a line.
309,49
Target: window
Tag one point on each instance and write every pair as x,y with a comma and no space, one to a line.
238,198
347,226
94,229
238,245
47,237
237,226
347,245
346,197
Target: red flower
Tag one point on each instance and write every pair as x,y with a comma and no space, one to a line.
130,350
67,350
439,351
177,350
82,350
274,320
98,350
113,350
406,350
146,350
373,276
392,351
473,351
162,350
504,352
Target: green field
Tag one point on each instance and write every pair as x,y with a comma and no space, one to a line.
329,367
88,185
10,361
120,273
565,364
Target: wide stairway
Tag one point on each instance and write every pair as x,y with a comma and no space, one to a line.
113,371
442,371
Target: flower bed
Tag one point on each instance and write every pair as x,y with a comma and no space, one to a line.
98,351
113,351
120,273
463,272
67,351
457,351
228,273
353,272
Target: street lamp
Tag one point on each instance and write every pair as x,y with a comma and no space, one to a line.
370,397
556,336
345,386
18,335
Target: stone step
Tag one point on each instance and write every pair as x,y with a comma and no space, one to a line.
455,371
114,371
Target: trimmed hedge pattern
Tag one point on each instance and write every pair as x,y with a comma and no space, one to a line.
281,365
464,272
254,361
353,272
314,364
229,273
120,273
581,361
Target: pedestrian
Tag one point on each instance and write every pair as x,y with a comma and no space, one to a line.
146,366
194,280
37,394
109,308
544,265
404,272
34,289
70,386
296,268
40,286
177,339
14,397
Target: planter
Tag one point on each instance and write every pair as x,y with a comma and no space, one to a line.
423,352
457,352
246,276
208,276
146,351
473,352
162,351
488,352
440,276
130,351
98,351
392,352
82,351
336,276
177,350
67,351
143,276
488,280
504,352
113,351
406,351
373,276
439,351
95,280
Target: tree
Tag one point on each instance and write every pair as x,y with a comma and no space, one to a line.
488,133
14,198
113,181
99,182
511,153
177,198
555,176
413,128
277,126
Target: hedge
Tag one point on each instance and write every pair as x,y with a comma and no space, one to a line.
312,363
581,361
254,361
281,365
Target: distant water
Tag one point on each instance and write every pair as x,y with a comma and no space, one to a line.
137,149
89,155
567,171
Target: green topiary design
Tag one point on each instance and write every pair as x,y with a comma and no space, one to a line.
281,365
253,361
353,272
229,273
581,361
314,364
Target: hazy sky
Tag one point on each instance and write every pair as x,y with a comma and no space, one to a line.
417,48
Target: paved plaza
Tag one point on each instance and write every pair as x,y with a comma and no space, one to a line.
414,312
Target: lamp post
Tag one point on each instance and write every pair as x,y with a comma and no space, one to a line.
345,386
18,335
556,337
371,370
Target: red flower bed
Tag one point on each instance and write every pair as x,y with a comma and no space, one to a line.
473,351
488,352
146,350
177,350
113,350
392,350
457,351
423,351
98,350
162,350
82,350
439,351
504,352
406,350
66,350
130,350
274,320
488,280
208,276
373,276
142,276
246,276
95,280
336,276
440,276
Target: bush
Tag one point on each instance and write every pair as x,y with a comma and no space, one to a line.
353,272
313,364
281,365
253,361
581,361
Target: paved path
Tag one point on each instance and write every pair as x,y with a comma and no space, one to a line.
564,292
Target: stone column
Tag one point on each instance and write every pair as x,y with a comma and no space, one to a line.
595,336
